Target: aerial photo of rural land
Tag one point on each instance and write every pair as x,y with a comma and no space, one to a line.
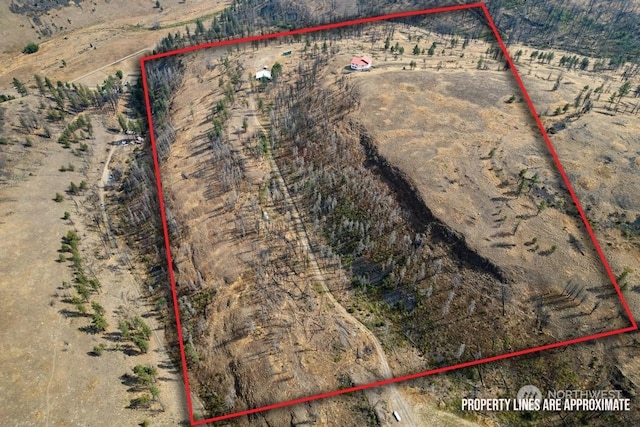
319,213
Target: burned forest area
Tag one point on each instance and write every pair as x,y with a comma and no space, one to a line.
201,226
304,256
368,220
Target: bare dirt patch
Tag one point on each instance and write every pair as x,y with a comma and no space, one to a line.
263,323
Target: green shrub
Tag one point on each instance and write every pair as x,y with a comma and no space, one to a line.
143,401
30,48
98,349
73,188
141,343
4,98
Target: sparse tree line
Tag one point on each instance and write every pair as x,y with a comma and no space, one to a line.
140,220
227,174
229,167
592,29
83,284
239,19
82,123
73,98
144,380
138,197
66,100
133,329
587,98
164,77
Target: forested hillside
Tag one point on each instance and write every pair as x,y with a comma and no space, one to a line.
591,28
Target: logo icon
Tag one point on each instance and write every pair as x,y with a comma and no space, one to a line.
528,392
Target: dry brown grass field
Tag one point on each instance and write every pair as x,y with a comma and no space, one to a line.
455,135
269,315
51,374
86,39
273,319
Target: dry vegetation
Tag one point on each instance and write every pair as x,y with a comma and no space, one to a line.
426,229
65,359
253,302
384,210
69,283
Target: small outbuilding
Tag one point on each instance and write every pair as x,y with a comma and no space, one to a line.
263,74
361,63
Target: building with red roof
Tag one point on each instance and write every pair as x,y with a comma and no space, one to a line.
361,62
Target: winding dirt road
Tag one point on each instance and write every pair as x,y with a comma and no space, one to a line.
394,399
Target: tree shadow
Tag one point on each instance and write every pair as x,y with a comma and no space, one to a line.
503,245
168,367
500,199
113,336
547,252
130,350
89,329
73,314
503,234
93,353
526,216
133,383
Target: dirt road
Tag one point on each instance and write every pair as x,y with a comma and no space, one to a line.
117,61
395,400
119,264
50,374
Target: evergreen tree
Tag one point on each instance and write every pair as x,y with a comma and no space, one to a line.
432,49
20,87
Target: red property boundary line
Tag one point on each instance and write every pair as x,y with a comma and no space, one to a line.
556,160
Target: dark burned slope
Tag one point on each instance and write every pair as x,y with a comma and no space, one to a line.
423,279
419,213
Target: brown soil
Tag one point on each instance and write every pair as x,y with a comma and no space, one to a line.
50,375
94,45
254,325
470,184
50,378
442,140
274,323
